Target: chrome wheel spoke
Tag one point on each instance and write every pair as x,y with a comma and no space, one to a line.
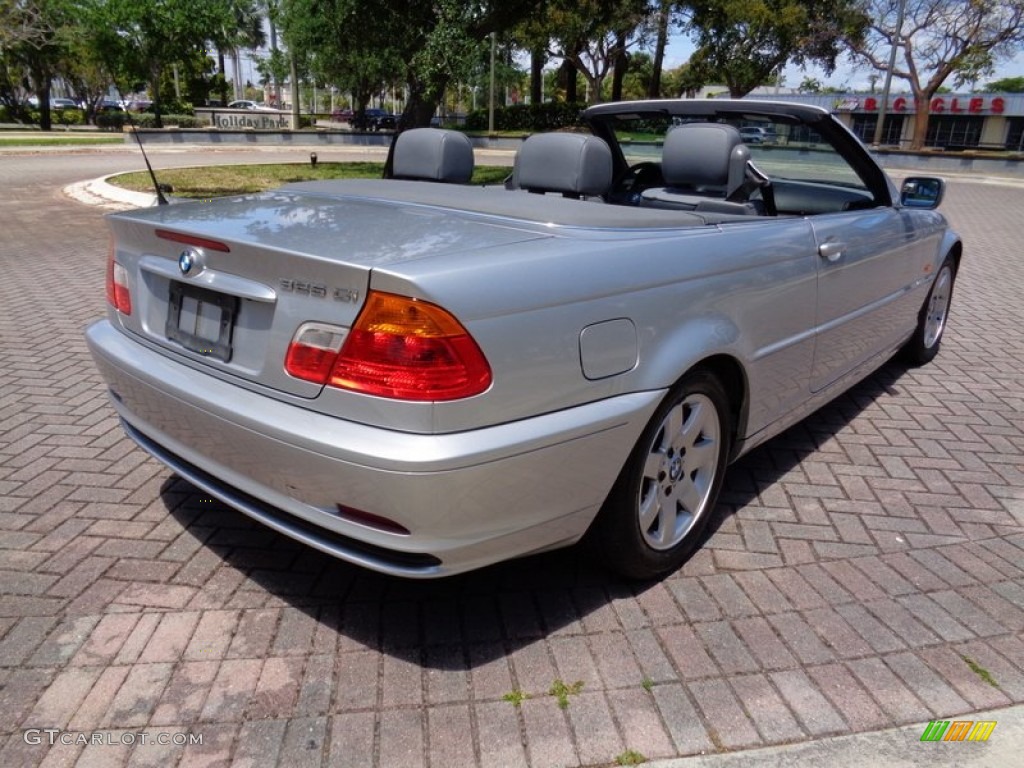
650,509
690,497
678,472
673,424
695,424
654,465
702,457
666,524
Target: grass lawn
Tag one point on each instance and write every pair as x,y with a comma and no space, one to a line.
220,180
63,140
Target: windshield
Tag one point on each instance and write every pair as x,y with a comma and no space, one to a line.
781,149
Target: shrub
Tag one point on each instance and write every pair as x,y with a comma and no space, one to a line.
174,107
110,121
528,118
67,117
148,120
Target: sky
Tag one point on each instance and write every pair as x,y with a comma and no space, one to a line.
846,76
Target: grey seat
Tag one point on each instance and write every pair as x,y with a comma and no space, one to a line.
573,164
433,154
705,167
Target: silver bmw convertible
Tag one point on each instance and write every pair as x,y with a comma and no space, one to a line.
424,377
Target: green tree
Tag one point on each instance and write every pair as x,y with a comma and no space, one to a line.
939,40
1006,85
745,43
34,46
637,80
140,39
361,45
23,22
592,37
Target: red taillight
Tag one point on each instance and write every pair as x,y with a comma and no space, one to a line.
313,351
199,242
400,348
118,295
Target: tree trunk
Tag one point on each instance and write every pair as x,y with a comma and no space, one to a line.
154,87
654,87
621,64
236,63
223,78
569,73
419,108
45,118
923,110
537,76
273,76
294,76
41,80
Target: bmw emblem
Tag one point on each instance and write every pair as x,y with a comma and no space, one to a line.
188,261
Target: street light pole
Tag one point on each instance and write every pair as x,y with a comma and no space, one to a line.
490,103
888,73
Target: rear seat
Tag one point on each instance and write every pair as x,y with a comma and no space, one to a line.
433,154
573,164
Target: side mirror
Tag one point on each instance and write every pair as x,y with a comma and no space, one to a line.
922,192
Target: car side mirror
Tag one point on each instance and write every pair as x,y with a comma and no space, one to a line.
922,192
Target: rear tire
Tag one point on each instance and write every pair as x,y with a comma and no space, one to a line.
931,322
657,511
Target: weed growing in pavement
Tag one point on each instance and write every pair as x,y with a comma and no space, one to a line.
561,691
980,671
515,697
630,757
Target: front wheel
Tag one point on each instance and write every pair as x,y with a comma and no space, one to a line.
931,322
664,496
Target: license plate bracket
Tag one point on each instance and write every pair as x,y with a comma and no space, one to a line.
201,320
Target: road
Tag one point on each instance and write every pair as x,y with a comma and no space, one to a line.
866,570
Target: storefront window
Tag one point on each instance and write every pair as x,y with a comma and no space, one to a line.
1015,136
892,130
954,132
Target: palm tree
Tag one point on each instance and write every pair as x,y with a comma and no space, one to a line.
248,32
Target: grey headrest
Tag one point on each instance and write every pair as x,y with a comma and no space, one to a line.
433,154
571,163
702,155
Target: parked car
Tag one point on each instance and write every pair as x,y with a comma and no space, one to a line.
424,377
758,135
342,115
59,104
374,120
250,105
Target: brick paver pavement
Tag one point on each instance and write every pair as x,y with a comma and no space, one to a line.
867,570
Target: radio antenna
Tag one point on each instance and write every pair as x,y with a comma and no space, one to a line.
160,199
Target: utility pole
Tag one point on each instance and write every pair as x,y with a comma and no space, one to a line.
888,74
490,102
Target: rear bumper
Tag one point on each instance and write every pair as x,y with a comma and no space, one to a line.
468,499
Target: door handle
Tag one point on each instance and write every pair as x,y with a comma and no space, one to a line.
831,250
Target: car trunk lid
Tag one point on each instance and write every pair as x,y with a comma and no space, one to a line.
225,286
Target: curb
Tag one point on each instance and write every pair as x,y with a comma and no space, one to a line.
98,192
894,748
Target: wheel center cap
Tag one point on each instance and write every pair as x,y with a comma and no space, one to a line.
675,468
